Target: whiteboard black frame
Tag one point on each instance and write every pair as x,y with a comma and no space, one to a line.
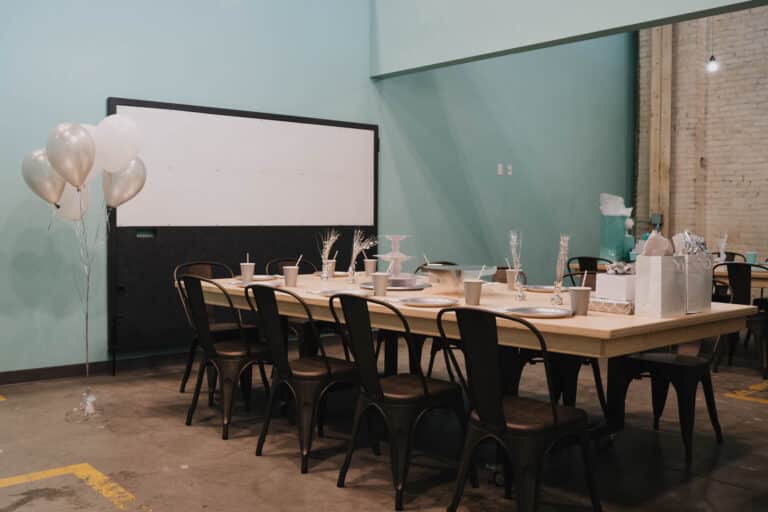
113,280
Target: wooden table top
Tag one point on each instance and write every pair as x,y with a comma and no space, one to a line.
596,335
759,277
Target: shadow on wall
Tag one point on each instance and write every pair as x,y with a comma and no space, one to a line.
38,264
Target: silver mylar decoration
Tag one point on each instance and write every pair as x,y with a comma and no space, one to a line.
41,178
123,186
71,151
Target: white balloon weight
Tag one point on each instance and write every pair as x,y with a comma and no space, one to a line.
71,151
122,187
41,177
73,203
118,142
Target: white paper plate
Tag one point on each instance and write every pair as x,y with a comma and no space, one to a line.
338,273
542,288
429,302
538,312
351,291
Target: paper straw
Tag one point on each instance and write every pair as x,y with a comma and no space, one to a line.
425,258
390,266
247,257
299,260
364,254
335,254
584,280
480,274
509,265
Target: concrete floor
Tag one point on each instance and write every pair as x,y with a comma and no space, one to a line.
153,462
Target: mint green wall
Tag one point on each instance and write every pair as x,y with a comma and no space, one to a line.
59,61
410,34
561,116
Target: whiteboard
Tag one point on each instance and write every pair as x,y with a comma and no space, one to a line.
210,169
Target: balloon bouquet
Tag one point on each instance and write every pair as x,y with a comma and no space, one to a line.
61,173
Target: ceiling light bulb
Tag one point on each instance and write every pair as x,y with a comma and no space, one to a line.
712,64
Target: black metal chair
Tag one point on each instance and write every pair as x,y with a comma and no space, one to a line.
275,266
220,331
232,360
588,263
740,292
308,379
402,399
731,256
576,278
423,266
524,428
665,368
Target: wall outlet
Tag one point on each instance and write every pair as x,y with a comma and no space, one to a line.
509,169
500,169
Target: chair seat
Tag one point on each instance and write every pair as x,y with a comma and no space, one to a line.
534,416
408,388
240,349
651,359
313,367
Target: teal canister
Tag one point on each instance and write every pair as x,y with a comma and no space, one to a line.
612,237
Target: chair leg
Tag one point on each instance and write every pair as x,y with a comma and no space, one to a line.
461,416
433,350
321,408
686,406
360,408
264,379
373,437
400,422
589,470
733,342
190,363
213,379
595,364
200,374
709,396
307,396
229,371
267,414
527,466
246,385
659,391
466,465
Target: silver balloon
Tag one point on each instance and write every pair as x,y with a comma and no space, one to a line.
73,203
71,151
41,177
123,186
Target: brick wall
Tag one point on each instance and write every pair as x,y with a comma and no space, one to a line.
719,160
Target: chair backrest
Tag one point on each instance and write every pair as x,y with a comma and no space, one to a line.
485,376
740,280
206,269
588,263
423,266
192,292
275,266
501,276
358,326
575,278
263,301
731,256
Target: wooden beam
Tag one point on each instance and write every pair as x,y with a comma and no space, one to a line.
660,123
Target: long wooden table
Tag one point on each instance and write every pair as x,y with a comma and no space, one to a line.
759,277
598,335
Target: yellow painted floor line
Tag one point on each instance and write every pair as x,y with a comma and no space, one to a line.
97,480
2,398
746,394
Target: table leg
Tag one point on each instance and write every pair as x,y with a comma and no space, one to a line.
619,377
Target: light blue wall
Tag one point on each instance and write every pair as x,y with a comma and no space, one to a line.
59,61
561,116
410,34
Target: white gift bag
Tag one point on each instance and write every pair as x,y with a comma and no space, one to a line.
660,286
615,286
698,283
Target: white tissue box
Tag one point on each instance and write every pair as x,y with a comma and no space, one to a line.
698,283
660,286
615,287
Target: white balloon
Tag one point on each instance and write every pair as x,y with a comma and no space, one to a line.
73,203
98,164
71,151
41,177
117,142
121,187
